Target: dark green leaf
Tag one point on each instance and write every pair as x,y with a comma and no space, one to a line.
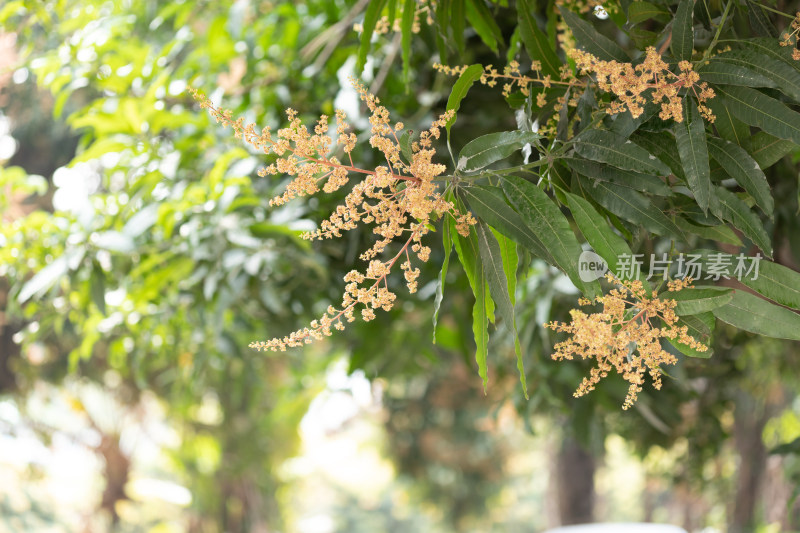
756,315
662,145
489,204
700,299
460,89
542,216
623,178
608,147
774,69
535,40
774,281
457,17
767,149
492,260
633,207
600,236
483,22
759,21
97,286
447,244
406,28
371,17
640,11
728,126
590,40
743,168
691,139
683,31
717,71
487,149
718,233
757,109
730,207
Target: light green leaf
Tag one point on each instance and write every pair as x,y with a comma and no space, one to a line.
731,73
590,40
683,31
483,23
633,207
757,109
662,145
743,168
728,126
730,207
756,315
448,246
691,139
535,40
508,250
699,299
607,147
371,17
469,256
545,219
767,149
776,282
623,178
599,235
718,233
487,149
640,11
489,204
460,89
785,78
406,29
492,260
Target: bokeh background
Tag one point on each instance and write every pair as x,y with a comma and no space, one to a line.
138,258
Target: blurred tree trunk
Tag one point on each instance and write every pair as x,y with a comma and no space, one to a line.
749,422
575,483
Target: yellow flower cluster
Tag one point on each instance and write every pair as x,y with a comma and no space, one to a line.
623,338
650,80
400,199
512,76
790,38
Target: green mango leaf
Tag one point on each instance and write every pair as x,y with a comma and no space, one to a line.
608,147
447,244
545,219
489,204
784,78
633,207
728,126
460,89
600,236
691,139
757,109
457,17
492,259
743,168
508,250
683,31
371,17
772,49
483,23
722,72
590,40
717,233
767,149
468,254
617,176
406,30
97,287
756,315
700,327
405,145
730,207
536,42
759,20
662,145
487,149
776,282
640,11
697,300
